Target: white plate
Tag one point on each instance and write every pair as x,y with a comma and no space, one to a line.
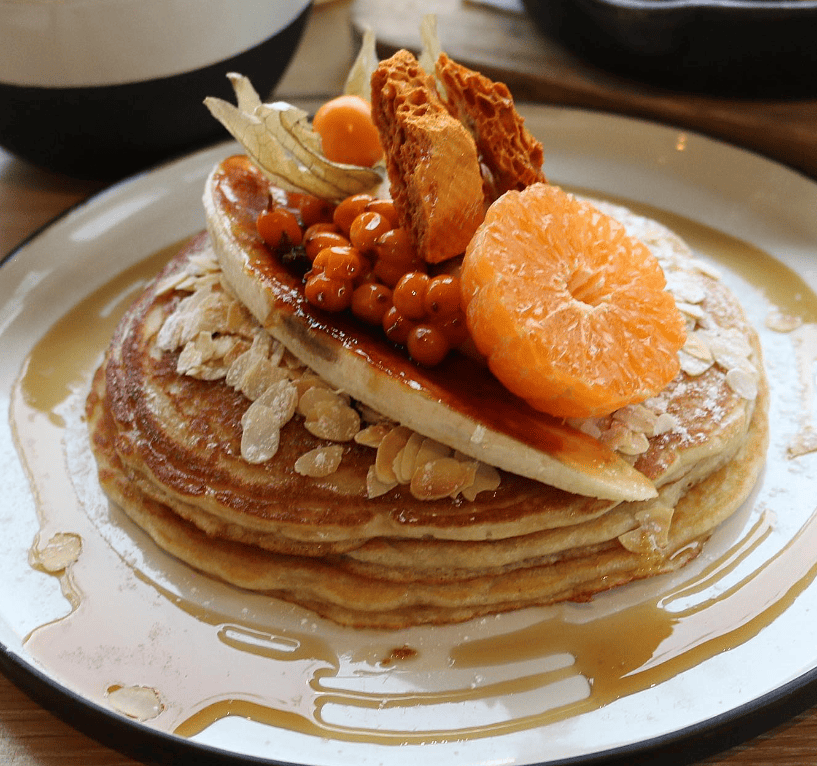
272,681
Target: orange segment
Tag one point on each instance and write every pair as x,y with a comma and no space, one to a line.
570,312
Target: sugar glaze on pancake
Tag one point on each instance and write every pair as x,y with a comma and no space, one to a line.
167,430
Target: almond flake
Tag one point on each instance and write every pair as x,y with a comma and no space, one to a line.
170,283
743,382
589,426
388,450
316,394
438,479
780,322
258,376
636,417
487,479
372,436
691,365
698,347
729,348
204,357
686,287
374,486
705,268
260,438
665,424
320,462
621,439
691,310
281,398
332,420
406,460
431,449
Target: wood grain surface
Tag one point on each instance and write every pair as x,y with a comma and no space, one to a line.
30,735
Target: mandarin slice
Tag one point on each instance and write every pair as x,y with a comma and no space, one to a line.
570,312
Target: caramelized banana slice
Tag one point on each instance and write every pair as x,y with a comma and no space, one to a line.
458,403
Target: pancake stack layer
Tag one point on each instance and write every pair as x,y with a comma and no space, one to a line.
242,462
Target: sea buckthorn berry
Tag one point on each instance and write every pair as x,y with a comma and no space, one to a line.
386,208
328,294
409,295
370,302
279,228
366,229
319,263
342,262
455,329
315,241
320,226
349,209
396,326
442,298
427,345
395,246
311,209
388,273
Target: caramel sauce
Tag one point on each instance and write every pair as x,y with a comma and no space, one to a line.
153,640
459,381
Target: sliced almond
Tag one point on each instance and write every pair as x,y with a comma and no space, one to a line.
388,450
440,478
406,459
375,487
487,479
332,420
320,462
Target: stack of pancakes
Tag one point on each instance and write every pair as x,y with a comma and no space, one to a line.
168,420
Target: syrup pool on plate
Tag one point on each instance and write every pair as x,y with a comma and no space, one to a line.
155,641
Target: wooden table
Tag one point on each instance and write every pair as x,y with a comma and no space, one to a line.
30,197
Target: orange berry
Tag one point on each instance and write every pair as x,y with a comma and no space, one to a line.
327,293
316,240
366,229
344,263
427,345
319,226
279,228
571,312
409,295
370,302
396,326
395,246
442,298
319,262
347,132
386,208
311,209
388,273
349,209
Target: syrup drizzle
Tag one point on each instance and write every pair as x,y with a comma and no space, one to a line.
278,665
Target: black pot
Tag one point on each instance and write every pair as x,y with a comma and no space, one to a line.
137,99
748,48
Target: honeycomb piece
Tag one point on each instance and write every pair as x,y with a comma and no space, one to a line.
511,154
432,161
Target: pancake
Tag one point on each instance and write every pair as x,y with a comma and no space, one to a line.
167,425
166,412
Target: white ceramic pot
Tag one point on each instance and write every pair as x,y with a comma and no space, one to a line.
101,88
